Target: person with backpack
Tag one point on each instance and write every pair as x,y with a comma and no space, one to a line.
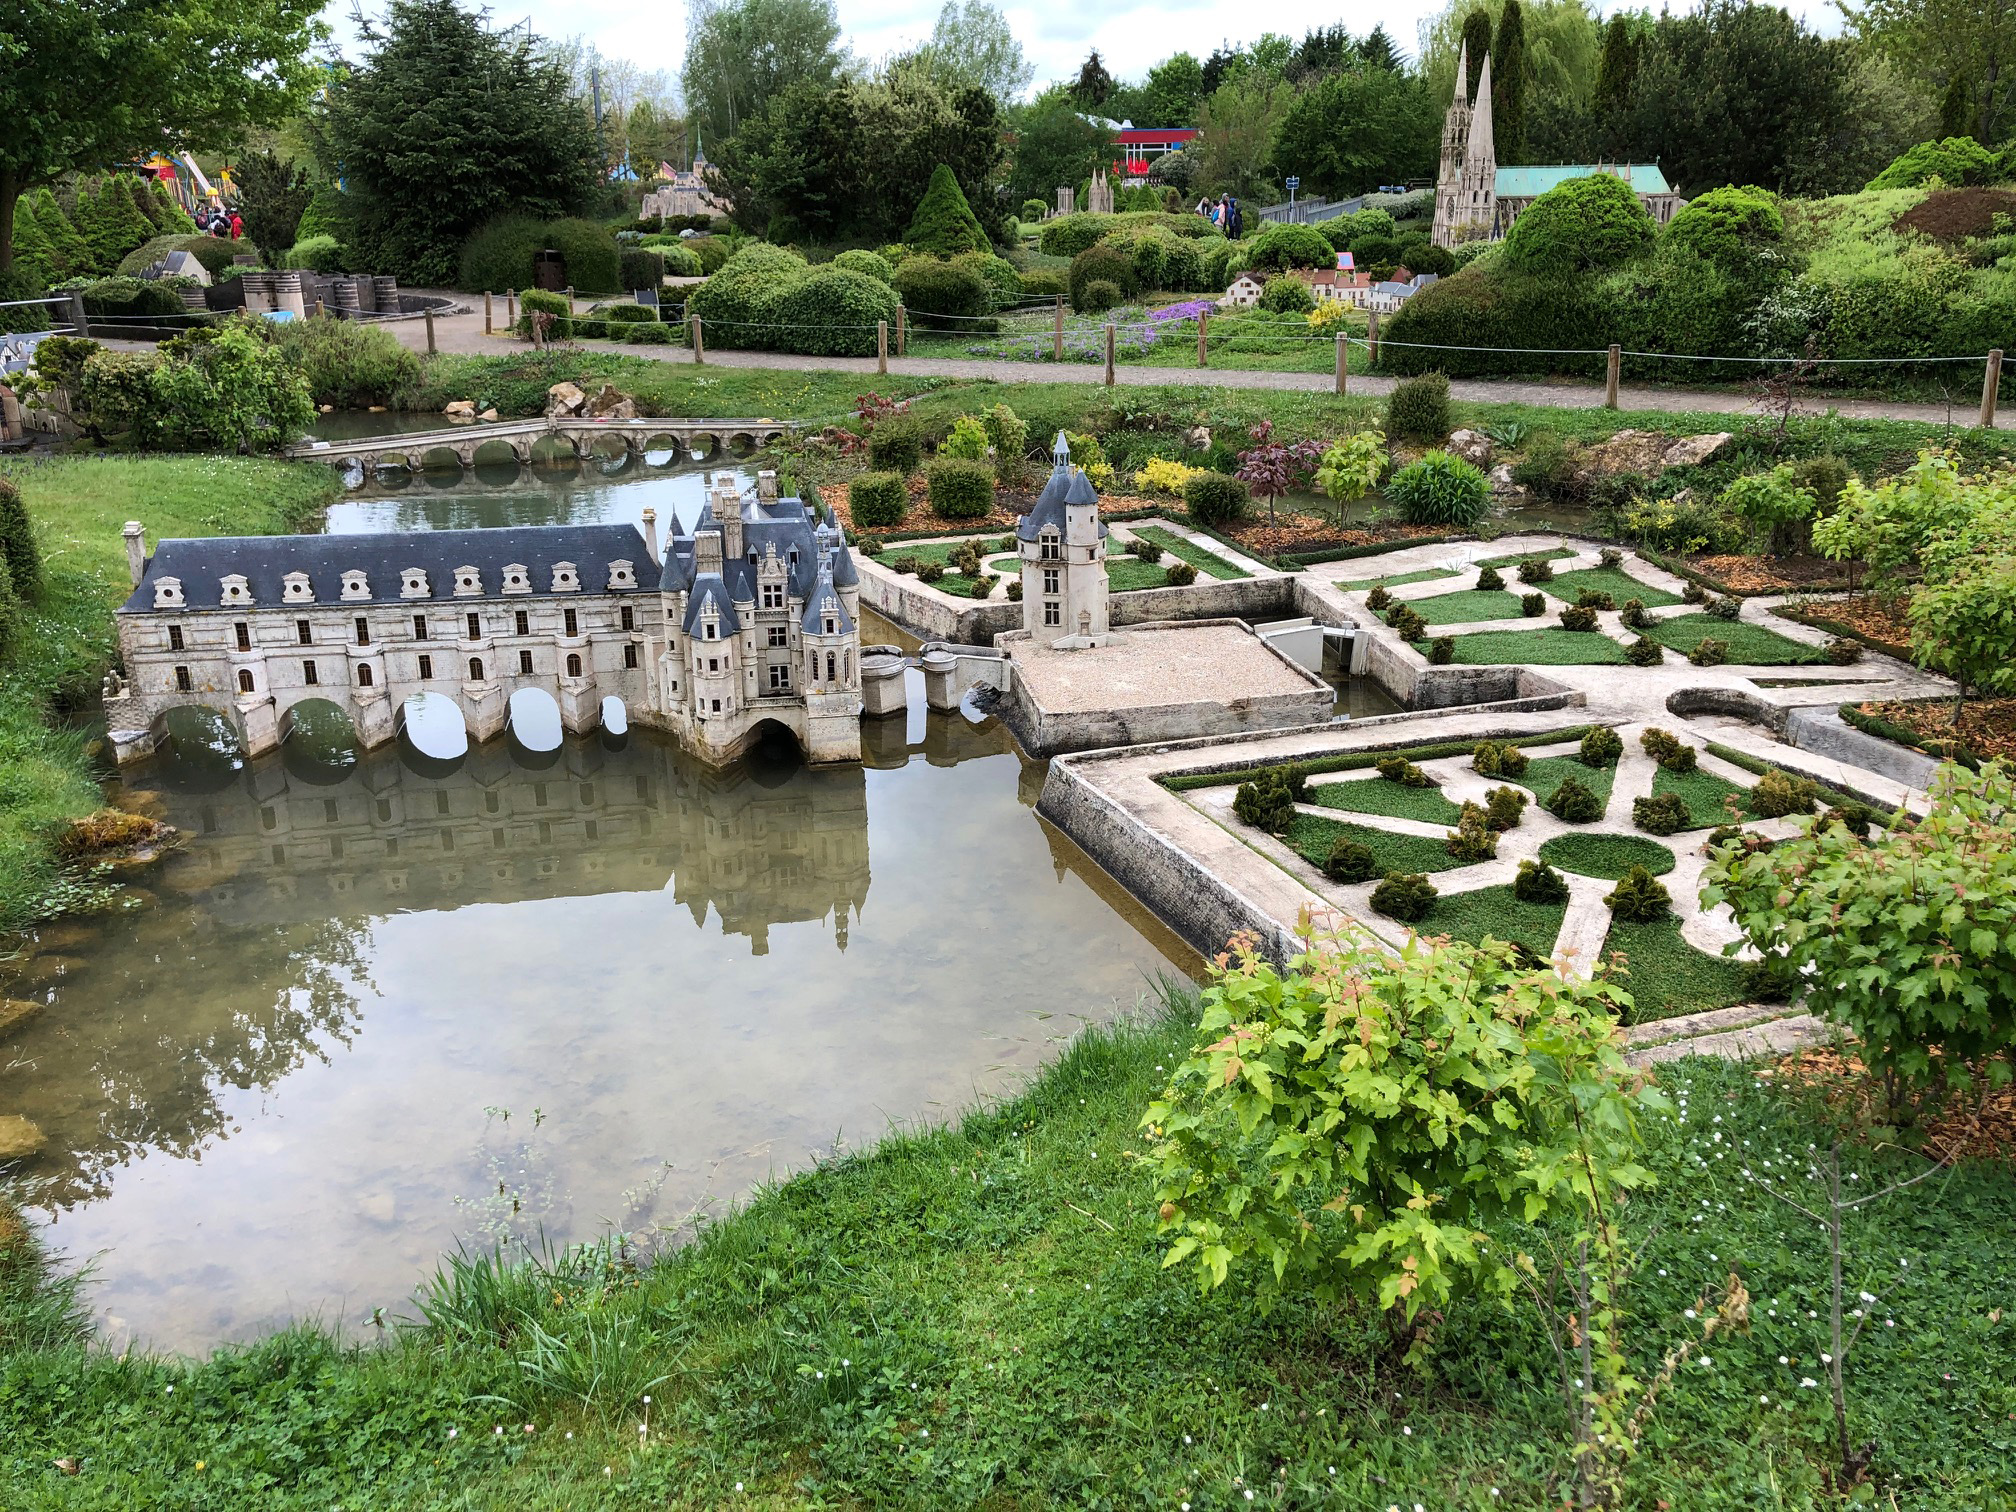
1235,219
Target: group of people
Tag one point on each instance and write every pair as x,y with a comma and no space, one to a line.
1225,215
225,224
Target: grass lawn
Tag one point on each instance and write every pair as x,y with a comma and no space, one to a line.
1539,648
1207,562
1425,575
1556,554
940,552
1669,977
1544,774
1607,856
1614,581
1375,795
1126,574
65,643
1495,912
998,1285
1749,645
1467,606
1312,838
1707,795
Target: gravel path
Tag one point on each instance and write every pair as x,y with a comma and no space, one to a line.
464,333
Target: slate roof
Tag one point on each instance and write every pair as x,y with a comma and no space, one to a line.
1067,485
265,561
814,622
712,590
785,523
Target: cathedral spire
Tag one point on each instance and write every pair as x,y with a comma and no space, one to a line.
1483,150
1463,72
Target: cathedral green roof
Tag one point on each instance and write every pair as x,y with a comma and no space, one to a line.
1528,181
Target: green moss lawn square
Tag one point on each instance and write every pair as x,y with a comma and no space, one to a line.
1668,976
1707,796
1556,554
1425,575
1595,854
1467,607
1614,581
1126,574
1544,774
1207,562
1539,648
1495,912
1749,645
1393,800
1311,838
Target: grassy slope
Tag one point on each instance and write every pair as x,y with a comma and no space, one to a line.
78,505
998,1287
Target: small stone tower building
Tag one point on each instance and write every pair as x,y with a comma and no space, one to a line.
1063,549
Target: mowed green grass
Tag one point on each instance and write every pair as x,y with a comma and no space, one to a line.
1749,645
1706,794
1614,581
1604,855
1545,773
1668,977
1467,606
1393,800
1495,912
1207,562
1312,838
1425,575
1538,648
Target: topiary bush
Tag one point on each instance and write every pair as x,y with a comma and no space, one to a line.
1573,803
1473,839
540,302
1842,652
1350,861
1610,556
1097,297
1645,653
1489,581
1709,652
944,224
1581,226
1441,489
1576,617
1179,574
861,260
351,364
1406,622
1100,264
1418,409
1725,608
1505,807
877,499
1215,501
20,558
1287,296
1280,247
640,268
1633,615
967,440
1594,598
1666,748
1533,605
1399,769
1639,897
1404,896
942,294
1536,570
1538,882
1601,747
1268,801
1442,650
1379,599
1490,759
896,446
1779,793
1661,814
828,312
960,490
657,333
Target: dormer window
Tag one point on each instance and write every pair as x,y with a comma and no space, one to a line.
517,578
1048,546
565,578
356,585
296,589
468,582
622,575
168,593
413,583
236,589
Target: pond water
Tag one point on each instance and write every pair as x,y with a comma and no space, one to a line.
378,1005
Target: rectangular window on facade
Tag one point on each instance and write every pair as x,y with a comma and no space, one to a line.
717,706
244,633
304,632
780,678
309,675
779,635
629,618
713,664
419,627
573,623
426,666
524,622
174,637
1052,614
182,683
773,595
630,655
1051,580
524,663
363,631
475,626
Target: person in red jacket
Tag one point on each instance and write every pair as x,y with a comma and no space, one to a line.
237,226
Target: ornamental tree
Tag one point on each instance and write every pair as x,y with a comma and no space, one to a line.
1352,468
1908,940
945,224
1354,1121
1965,627
1271,468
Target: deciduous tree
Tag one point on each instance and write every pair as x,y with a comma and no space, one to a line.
742,54
1973,41
972,44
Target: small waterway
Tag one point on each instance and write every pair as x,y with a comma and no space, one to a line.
379,1005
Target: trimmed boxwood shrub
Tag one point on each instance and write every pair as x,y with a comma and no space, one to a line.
1536,570
1538,882
1179,574
626,314
1573,802
1399,769
1100,263
1418,409
641,267
944,223
1577,617
657,333
1378,598
1533,605
681,261
1582,225
1289,246
1490,759
1406,622
1488,580
1661,814
1350,861
1097,297
1442,650
960,490
896,446
877,499
539,301
1639,898
831,312
1287,296
1643,652
1504,807
1441,489
1215,501
941,294
1600,747
1404,896
861,260
1666,748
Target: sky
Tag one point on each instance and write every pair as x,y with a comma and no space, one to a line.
1055,34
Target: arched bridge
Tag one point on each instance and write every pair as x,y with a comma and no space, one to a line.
583,436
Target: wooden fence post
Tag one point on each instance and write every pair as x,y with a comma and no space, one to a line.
882,347
1057,336
1343,364
1613,368
430,332
1991,382
699,346
1203,341
902,329
1372,335
570,301
1109,356
321,309
488,325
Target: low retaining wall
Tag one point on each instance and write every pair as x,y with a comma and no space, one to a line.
1826,733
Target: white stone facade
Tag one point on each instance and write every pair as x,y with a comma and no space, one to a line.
1062,544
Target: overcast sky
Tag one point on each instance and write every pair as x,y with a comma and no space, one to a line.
1055,34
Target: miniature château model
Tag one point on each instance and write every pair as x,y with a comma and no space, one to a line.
1475,199
1063,549
749,620
684,192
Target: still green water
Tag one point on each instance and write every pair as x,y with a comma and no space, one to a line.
376,1006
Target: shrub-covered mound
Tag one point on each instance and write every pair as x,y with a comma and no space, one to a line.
767,299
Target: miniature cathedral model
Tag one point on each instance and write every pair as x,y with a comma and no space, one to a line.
1063,549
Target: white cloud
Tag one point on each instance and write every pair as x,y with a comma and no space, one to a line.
1056,34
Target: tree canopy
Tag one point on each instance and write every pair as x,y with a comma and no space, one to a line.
742,54
972,44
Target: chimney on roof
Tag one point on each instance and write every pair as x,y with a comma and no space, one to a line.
707,553
651,533
136,551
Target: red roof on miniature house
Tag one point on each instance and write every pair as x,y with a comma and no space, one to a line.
1144,136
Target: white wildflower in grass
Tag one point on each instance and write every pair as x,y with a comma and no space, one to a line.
1807,1382
1784,1359
452,1432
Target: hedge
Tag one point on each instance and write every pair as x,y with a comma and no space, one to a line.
877,499
499,254
960,490
1904,735
642,268
767,299
943,294
534,301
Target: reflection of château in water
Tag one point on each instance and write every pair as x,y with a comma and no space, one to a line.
754,847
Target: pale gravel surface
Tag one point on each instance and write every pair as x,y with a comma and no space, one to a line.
1145,669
